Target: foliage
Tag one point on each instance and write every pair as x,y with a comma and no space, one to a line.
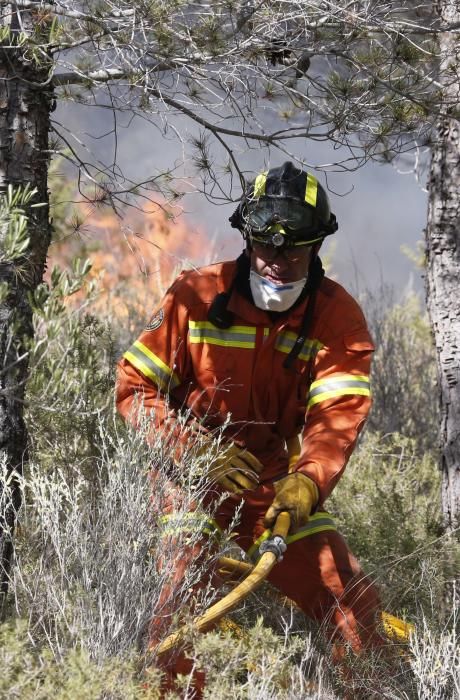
404,386
86,571
29,673
365,77
71,368
13,222
388,506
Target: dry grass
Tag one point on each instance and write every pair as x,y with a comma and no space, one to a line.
90,562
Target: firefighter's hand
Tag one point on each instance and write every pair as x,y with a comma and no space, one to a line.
296,494
235,469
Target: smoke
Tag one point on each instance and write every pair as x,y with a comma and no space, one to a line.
378,209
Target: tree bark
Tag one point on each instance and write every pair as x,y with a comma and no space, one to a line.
25,102
443,263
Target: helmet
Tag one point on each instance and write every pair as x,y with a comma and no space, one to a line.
284,206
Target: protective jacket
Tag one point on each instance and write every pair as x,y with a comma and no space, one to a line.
182,360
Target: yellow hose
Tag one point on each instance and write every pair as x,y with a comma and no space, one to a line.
397,629
258,574
229,566
394,627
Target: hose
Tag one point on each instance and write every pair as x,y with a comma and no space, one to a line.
258,574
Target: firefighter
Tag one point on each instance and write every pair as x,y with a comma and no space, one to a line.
284,351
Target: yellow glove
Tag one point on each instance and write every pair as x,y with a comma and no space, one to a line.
235,469
296,494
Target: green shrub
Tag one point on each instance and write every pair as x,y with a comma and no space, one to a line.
34,673
85,573
388,505
404,384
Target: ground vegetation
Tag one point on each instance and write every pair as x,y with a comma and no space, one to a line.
85,573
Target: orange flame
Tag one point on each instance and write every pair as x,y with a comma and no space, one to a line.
133,260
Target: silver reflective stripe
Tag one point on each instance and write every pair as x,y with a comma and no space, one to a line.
237,336
221,335
315,525
338,385
285,342
151,366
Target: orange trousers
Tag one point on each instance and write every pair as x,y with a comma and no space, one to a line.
318,572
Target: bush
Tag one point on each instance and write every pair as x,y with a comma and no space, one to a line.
86,572
388,505
404,385
31,673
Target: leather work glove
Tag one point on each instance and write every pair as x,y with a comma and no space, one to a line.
297,494
235,469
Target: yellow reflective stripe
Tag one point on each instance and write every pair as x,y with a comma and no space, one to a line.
235,336
334,394
151,366
339,378
311,190
259,184
311,531
285,342
207,325
338,385
319,522
188,522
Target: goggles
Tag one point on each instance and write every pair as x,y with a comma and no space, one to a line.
298,220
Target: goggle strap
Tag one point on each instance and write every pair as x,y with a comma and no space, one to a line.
294,244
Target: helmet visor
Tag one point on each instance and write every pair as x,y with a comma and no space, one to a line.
262,213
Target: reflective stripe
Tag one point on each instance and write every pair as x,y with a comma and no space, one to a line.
234,337
285,342
259,184
319,522
151,366
316,524
197,523
338,385
311,190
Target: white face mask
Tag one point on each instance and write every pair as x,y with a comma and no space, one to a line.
274,297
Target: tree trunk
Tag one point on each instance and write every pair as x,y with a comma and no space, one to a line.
25,101
443,263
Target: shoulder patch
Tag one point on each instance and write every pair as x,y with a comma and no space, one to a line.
156,321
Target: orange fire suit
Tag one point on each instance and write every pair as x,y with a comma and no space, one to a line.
239,370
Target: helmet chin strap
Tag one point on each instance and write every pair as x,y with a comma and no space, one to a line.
314,279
